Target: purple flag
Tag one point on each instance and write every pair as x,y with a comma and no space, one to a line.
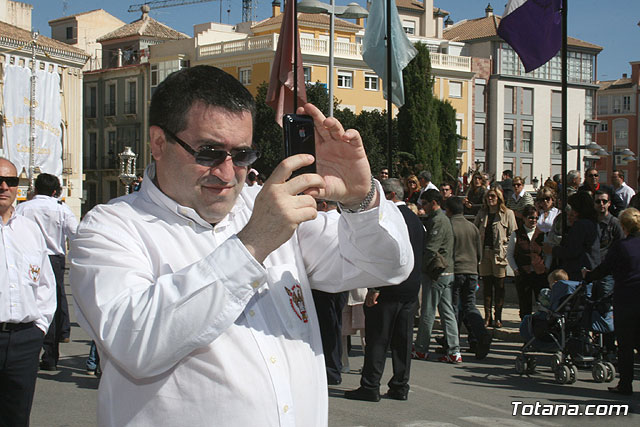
533,28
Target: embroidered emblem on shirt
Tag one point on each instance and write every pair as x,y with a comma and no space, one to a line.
297,302
34,272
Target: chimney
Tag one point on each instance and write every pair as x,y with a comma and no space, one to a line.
635,72
488,12
275,8
145,11
360,21
448,22
624,75
119,58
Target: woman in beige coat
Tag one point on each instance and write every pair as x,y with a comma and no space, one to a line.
496,223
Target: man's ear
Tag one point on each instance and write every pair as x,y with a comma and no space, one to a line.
157,142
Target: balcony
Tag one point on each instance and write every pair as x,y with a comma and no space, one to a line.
319,47
110,109
90,112
130,107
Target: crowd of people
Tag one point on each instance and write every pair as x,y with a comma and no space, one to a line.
211,290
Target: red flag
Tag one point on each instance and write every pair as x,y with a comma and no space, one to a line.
280,94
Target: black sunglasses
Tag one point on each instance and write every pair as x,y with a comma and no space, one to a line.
545,199
601,201
532,217
12,181
592,175
211,157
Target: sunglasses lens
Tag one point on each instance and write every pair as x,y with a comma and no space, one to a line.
245,157
210,157
12,181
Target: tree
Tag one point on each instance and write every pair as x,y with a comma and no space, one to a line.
448,139
267,135
417,119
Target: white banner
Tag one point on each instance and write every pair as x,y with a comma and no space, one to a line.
48,145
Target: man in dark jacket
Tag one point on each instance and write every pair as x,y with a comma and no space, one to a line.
389,313
592,184
466,256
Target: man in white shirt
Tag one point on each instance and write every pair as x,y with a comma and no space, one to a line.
198,294
57,223
27,303
621,188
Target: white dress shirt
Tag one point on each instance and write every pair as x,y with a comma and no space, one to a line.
625,193
194,331
56,221
27,283
545,224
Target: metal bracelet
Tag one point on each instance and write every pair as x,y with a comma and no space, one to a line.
365,203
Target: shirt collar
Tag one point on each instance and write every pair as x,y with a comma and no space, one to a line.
11,219
151,191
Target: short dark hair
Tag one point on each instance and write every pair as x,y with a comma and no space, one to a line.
453,205
251,176
582,203
47,185
599,193
508,172
175,96
586,173
431,195
528,210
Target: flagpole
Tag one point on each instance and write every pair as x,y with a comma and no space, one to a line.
564,115
295,55
389,92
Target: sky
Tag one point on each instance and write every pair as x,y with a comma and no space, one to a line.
610,24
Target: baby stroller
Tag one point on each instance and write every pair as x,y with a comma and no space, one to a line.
569,315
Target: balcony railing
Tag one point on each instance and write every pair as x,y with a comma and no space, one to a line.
315,46
130,107
110,109
90,112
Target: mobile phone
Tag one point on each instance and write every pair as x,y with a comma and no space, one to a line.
299,138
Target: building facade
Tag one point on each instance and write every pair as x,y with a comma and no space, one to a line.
517,117
52,56
617,109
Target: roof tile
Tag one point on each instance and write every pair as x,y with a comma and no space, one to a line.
145,26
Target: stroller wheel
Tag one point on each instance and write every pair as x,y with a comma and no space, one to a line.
520,364
556,360
611,371
563,374
599,372
573,374
530,365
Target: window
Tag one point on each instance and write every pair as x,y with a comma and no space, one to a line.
307,74
556,104
508,138
92,102
626,104
588,104
478,136
154,75
370,81
604,127
527,101
621,133
508,165
409,27
91,153
455,89
527,137
508,99
479,97
244,75
131,95
603,104
110,100
69,33
617,104
526,171
111,161
556,141
345,79
459,132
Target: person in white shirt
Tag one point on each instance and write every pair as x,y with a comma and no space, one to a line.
27,302
621,188
57,223
198,294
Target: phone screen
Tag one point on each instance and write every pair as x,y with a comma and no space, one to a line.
299,138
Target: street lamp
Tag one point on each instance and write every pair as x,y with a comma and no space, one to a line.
351,11
127,167
599,150
625,154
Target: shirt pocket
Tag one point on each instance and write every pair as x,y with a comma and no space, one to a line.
292,299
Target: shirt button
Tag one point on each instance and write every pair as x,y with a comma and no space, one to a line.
190,223
286,408
255,284
273,359
252,313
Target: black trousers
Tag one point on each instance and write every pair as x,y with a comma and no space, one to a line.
529,286
56,330
388,324
463,299
19,351
626,321
329,309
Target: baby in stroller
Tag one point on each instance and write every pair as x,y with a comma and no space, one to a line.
571,318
